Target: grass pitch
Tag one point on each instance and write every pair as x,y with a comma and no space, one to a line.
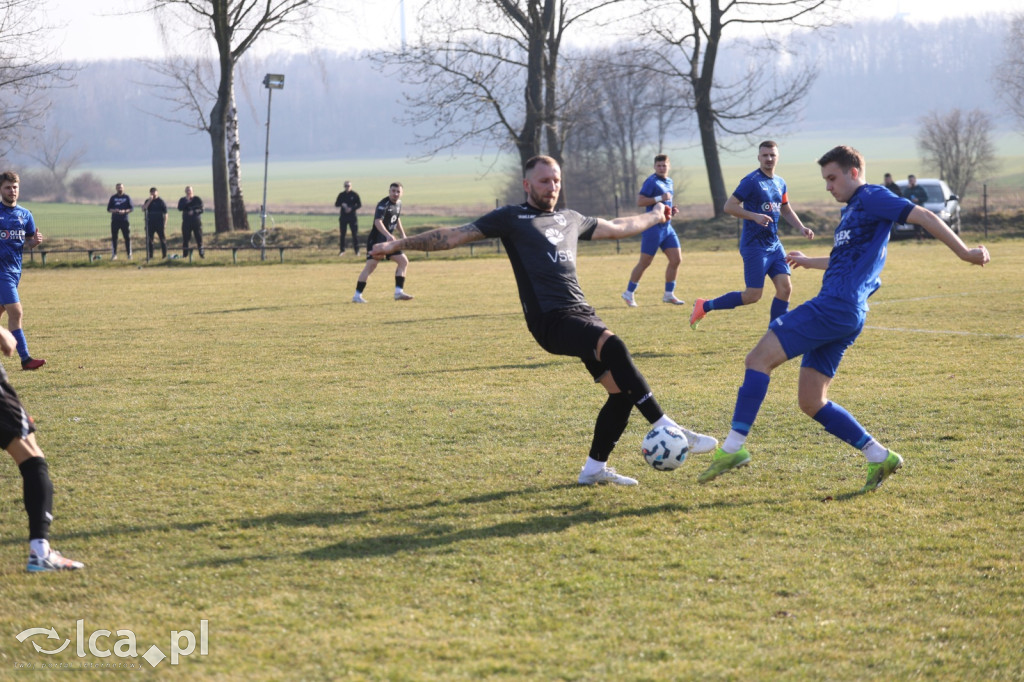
387,491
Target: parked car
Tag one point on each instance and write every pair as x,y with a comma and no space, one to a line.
941,201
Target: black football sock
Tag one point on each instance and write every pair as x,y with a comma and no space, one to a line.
38,491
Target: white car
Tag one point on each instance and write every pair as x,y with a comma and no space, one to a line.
941,201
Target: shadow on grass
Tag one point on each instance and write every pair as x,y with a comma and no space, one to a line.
451,318
386,545
302,519
251,309
486,368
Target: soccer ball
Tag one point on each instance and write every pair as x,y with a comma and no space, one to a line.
665,447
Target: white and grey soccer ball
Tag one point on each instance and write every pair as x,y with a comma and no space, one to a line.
665,447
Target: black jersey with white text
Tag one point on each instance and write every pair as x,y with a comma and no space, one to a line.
388,213
541,247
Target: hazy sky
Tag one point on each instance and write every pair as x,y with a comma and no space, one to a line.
93,29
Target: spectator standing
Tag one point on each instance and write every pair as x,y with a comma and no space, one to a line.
348,202
155,210
891,185
915,192
191,208
119,206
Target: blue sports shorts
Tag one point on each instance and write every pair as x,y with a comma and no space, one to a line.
820,330
662,236
9,287
760,263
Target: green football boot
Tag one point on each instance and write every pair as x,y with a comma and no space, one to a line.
879,471
723,461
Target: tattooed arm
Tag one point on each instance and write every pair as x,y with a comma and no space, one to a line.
441,239
620,228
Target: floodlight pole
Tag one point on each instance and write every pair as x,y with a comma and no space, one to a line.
272,82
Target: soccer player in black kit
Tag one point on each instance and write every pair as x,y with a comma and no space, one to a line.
386,220
18,438
541,246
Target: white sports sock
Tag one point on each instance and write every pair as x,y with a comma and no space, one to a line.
733,442
664,421
41,548
874,451
592,466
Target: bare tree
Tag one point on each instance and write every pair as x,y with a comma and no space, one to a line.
958,145
1009,74
54,152
27,69
235,26
620,109
186,88
763,95
489,72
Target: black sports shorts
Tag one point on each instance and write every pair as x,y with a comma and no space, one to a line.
573,331
14,421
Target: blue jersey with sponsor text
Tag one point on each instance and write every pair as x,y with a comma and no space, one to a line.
860,244
16,225
761,194
656,187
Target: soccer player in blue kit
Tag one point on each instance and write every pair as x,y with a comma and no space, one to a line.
759,200
657,189
17,230
541,245
822,328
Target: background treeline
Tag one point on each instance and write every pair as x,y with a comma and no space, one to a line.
871,75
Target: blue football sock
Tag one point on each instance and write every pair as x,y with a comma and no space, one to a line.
631,287
20,343
670,287
733,299
842,425
779,307
749,399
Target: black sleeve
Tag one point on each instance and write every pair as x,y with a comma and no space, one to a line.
358,204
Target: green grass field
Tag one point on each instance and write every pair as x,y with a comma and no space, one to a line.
388,491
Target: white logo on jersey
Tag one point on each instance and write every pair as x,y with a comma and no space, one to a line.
553,235
842,237
560,219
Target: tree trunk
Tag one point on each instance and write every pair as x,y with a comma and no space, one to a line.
239,217
705,111
219,117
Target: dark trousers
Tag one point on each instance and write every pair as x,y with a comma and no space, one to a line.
124,229
344,223
158,230
187,232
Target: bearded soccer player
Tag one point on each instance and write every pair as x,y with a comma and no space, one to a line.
759,200
541,244
17,230
823,328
